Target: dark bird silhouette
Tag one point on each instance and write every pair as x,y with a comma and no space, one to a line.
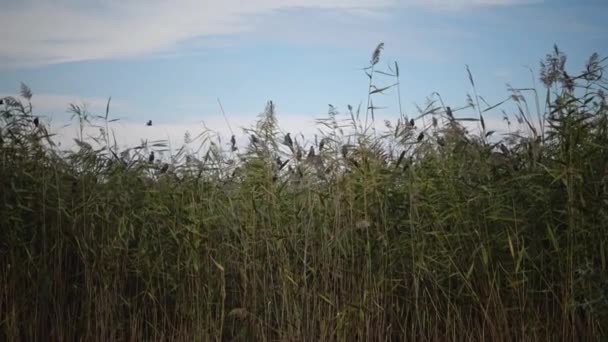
287,141
149,123
412,123
233,143
421,136
311,153
151,157
164,168
441,141
321,144
504,149
254,139
448,111
1,101
36,122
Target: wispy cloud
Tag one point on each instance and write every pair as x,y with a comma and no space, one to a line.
41,32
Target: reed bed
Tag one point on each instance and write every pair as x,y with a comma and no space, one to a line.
421,230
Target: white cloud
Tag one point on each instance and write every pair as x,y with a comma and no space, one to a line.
39,32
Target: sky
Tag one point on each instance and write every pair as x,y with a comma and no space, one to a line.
171,61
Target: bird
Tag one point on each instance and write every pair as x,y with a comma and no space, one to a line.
287,141
504,149
412,123
441,141
321,144
149,123
311,153
233,143
421,136
36,121
151,157
449,112
164,168
254,139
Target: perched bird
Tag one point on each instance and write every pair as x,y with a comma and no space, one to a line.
233,143
441,141
421,136
254,139
412,123
449,112
151,157
164,168
321,144
311,153
149,123
1,101
504,149
36,122
287,141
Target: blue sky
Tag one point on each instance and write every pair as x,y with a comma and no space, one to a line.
169,61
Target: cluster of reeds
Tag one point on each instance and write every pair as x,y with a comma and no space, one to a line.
420,231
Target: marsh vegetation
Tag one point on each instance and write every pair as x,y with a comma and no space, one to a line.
419,230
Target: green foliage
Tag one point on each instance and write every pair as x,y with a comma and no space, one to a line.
422,232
